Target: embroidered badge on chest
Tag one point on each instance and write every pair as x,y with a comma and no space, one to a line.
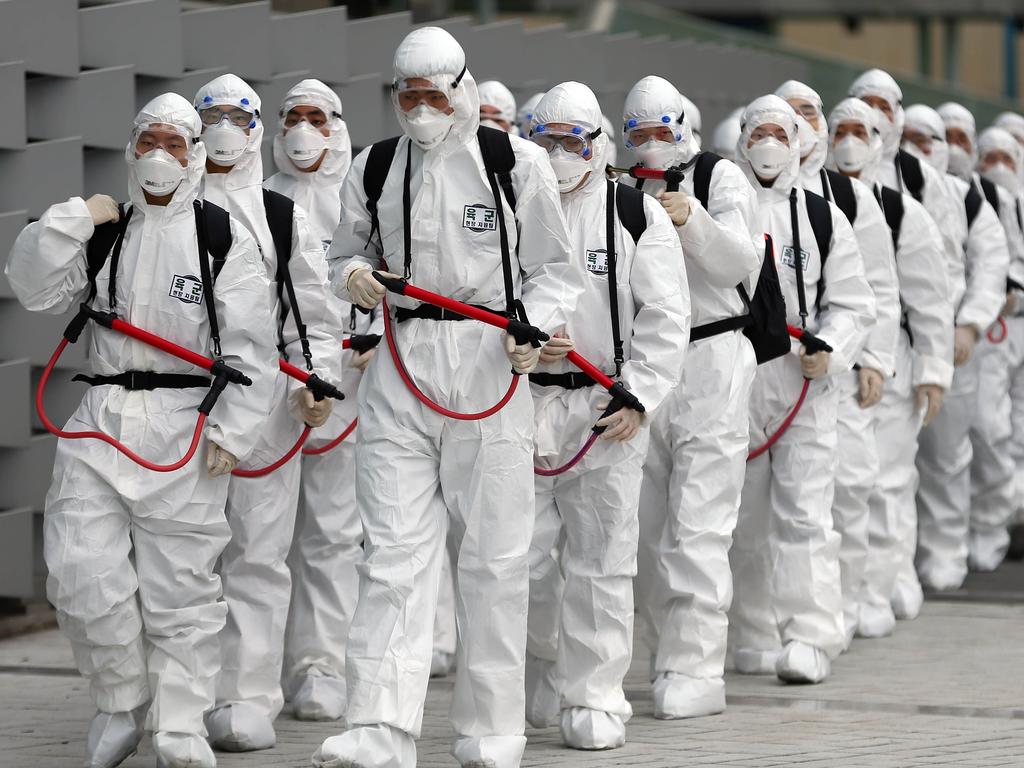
597,261
479,218
789,258
187,289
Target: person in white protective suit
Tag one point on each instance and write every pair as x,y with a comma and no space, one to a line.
524,117
924,363
611,152
693,117
693,472
727,133
312,152
998,455
860,390
130,552
944,447
903,172
1012,123
497,106
261,511
640,340
421,477
788,603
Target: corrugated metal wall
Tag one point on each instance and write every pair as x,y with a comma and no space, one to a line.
72,78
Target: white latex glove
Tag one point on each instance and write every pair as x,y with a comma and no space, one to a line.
929,399
313,413
814,366
102,208
870,387
359,360
964,339
218,461
556,349
523,357
677,205
365,291
622,425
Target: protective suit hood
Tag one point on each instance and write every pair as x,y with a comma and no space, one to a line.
876,82
524,117
576,104
656,99
924,119
495,94
1012,123
692,114
957,116
999,139
339,146
612,148
769,109
432,53
170,109
815,161
727,133
853,110
233,90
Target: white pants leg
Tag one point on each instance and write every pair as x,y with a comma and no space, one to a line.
693,476
856,474
444,616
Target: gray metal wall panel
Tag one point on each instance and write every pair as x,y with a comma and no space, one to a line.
106,172
12,96
316,41
42,33
494,52
147,88
33,335
109,36
367,109
25,474
17,569
15,380
114,88
41,174
372,43
236,37
11,223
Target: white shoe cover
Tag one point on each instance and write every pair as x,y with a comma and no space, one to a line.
543,702
802,663
906,601
489,751
584,728
875,622
442,664
114,737
986,553
368,746
320,698
679,696
240,728
753,662
182,750
940,580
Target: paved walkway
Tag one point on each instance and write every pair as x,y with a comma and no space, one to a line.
945,690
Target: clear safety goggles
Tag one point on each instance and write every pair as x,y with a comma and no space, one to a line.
808,110
436,92
236,115
667,127
576,141
318,114
171,139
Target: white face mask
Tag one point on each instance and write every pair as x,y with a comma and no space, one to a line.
657,154
225,143
425,125
569,169
1003,176
768,157
304,145
158,172
851,154
959,161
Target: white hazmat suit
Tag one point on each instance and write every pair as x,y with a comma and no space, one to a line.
328,534
131,553
727,133
785,556
595,502
422,477
495,95
261,511
694,467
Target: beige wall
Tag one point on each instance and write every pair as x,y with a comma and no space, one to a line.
892,45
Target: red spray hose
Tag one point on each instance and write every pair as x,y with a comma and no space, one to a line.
223,374
1004,330
812,344
360,344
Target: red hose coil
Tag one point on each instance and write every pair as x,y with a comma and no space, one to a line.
263,471
571,462
784,426
334,443
1003,327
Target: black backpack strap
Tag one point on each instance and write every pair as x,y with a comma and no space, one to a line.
499,159
106,242
378,164
705,165
839,189
218,236
972,203
629,204
611,208
798,259
280,213
908,170
892,207
991,194
205,273
820,213
498,162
